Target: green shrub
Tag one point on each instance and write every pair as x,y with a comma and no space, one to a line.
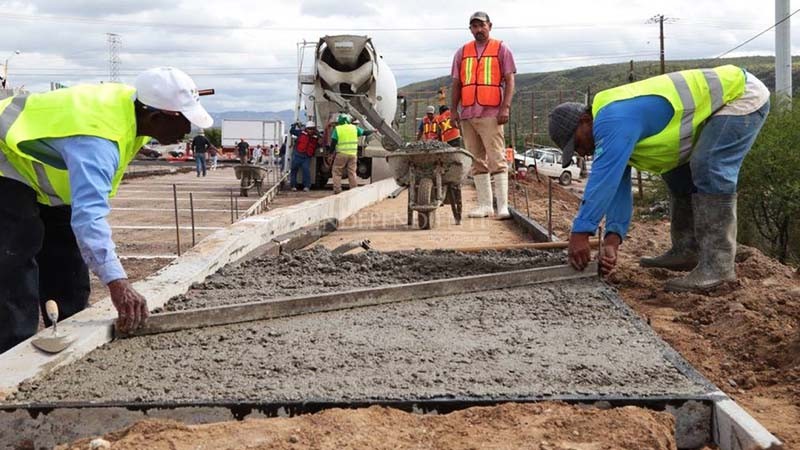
769,187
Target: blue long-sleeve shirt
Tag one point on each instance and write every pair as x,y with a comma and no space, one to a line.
617,128
91,163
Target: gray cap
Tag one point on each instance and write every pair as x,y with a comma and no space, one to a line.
430,110
563,123
479,15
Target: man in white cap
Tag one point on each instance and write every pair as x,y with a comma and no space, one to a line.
428,130
62,155
483,84
200,146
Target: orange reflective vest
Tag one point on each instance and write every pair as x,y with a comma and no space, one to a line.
429,132
449,132
481,75
510,154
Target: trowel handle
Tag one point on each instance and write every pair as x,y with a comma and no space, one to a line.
52,310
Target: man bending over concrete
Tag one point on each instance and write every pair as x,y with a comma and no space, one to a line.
693,127
62,155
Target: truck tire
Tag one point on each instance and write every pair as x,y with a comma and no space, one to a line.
425,220
565,179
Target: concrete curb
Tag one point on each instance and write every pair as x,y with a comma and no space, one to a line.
735,429
91,328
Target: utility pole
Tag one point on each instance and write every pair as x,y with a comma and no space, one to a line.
631,79
631,76
783,55
114,42
5,69
660,19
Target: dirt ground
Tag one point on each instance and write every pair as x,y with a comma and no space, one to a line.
542,426
745,338
385,225
136,269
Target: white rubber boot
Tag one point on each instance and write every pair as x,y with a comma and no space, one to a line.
501,195
483,184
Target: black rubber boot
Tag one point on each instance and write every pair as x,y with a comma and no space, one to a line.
683,254
715,228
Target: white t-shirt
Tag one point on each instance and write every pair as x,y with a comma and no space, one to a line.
754,97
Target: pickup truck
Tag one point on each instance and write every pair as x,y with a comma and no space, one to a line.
548,163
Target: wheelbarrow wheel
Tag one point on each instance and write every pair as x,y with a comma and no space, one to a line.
425,220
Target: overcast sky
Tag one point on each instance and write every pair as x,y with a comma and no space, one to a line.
247,50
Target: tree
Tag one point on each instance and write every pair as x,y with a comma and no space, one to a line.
769,189
214,136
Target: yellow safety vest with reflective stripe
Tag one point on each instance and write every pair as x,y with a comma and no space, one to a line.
104,110
694,95
347,139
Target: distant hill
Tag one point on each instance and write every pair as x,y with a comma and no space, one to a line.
547,89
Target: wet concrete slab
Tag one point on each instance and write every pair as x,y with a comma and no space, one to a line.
558,339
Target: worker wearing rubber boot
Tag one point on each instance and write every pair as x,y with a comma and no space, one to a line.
62,155
483,84
693,127
344,140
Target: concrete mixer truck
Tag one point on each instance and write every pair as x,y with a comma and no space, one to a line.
347,75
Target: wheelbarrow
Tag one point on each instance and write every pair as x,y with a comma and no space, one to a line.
251,177
433,172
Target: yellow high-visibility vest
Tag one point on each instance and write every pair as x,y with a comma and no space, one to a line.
347,139
694,95
103,110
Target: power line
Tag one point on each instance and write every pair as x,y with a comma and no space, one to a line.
266,71
759,34
173,25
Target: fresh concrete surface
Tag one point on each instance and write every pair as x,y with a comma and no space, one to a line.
92,327
556,339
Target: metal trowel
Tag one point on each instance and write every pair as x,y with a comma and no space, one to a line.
52,343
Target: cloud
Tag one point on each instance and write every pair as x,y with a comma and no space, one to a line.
247,50
94,8
327,9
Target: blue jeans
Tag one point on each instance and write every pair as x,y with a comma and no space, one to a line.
200,163
718,154
303,162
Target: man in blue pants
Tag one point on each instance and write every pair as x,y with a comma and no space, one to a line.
693,127
200,146
308,140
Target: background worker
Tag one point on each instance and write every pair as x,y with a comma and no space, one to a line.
693,127
200,146
448,132
427,130
243,148
344,141
308,140
58,171
483,84
214,154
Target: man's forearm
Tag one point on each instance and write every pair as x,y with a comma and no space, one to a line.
455,95
508,91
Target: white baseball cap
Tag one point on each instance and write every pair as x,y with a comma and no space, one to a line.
171,89
310,124
430,110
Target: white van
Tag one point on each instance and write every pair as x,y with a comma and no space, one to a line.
548,163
